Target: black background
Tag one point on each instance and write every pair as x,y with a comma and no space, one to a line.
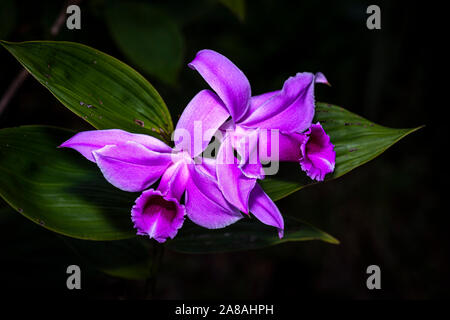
389,212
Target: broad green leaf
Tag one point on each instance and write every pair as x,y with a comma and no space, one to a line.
148,37
244,235
236,6
128,259
97,87
356,142
7,17
59,189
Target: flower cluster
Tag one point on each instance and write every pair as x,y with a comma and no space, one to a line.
219,190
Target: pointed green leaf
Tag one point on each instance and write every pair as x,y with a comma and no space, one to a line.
58,189
97,87
246,234
148,37
356,142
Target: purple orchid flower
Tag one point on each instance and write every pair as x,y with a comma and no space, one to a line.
216,190
134,162
289,112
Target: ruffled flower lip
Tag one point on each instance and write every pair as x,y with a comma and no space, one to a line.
317,157
157,215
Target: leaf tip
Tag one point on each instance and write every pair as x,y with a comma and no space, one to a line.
330,239
411,130
333,240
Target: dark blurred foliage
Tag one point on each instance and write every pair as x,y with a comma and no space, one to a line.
388,212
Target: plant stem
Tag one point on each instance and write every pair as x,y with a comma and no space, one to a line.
15,84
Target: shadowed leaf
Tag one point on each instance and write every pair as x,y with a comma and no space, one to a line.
128,259
148,37
236,6
7,17
58,189
246,234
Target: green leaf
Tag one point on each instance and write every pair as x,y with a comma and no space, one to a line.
58,189
148,37
246,234
127,259
356,142
97,87
236,6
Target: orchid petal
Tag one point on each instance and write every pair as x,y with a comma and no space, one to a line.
287,147
265,210
87,141
317,153
205,203
227,80
131,166
320,78
250,163
200,120
258,101
233,183
157,215
174,180
289,110
208,166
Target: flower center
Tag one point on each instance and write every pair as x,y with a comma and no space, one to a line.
157,205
